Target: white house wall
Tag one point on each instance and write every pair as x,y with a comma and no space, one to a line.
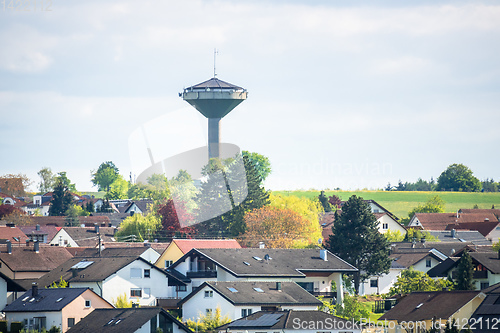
421,265
150,255
392,225
61,237
3,293
52,318
385,282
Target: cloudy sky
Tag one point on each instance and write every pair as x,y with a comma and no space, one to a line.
349,94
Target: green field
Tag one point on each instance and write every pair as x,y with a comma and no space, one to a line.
400,203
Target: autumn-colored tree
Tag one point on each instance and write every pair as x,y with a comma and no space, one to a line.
277,227
335,201
14,185
170,215
6,210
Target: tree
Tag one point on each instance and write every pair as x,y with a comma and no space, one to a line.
411,280
118,189
351,309
208,322
434,205
261,163
62,199
419,235
63,179
47,181
489,185
139,227
14,185
452,327
394,236
278,228
61,284
122,302
170,213
465,271
105,175
335,201
324,202
458,177
182,190
356,239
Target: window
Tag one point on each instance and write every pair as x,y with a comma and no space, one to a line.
374,283
147,292
135,273
209,293
71,322
147,273
181,288
168,263
485,285
385,226
246,312
135,292
87,303
428,262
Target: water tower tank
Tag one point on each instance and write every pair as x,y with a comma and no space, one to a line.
214,99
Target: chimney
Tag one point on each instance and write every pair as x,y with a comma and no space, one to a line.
262,245
36,247
453,233
27,242
323,254
9,247
10,225
278,286
37,227
34,289
96,228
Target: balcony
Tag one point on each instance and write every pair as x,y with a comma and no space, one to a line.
168,302
201,274
325,294
480,275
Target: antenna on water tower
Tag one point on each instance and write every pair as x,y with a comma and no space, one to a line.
215,58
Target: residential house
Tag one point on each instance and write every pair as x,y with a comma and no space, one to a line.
110,277
131,320
490,230
496,212
60,307
439,221
32,261
8,290
486,268
61,221
83,237
312,269
179,247
12,234
11,200
238,299
117,249
487,316
386,222
420,311
138,207
41,234
472,236
381,284
449,249
290,321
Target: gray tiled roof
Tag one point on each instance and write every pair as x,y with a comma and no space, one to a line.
244,293
45,300
284,262
461,235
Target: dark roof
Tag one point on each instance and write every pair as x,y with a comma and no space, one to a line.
25,259
121,320
143,205
483,227
420,306
214,83
12,285
290,294
49,230
410,259
112,252
45,300
446,248
284,262
87,237
279,320
442,269
493,289
98,270
114,218
489,260
488,312
474,237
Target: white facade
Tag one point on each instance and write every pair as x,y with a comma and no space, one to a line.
200,304
62,238
387,223
3,293
133,281
150,255
29,319
380,284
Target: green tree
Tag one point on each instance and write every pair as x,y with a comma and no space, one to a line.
61,284
351,309
356,239
465,271
394,236
323,199
118,189
63,179
182,189
105,175
47,181
419,235
411,280
433,205
260,162
458,177
62,199
139,227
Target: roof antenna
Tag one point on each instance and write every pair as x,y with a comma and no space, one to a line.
215,57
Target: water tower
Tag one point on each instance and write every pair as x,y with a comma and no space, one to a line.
214,99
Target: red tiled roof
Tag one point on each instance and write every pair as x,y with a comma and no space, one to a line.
11,232
482,211
186,245
439,221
